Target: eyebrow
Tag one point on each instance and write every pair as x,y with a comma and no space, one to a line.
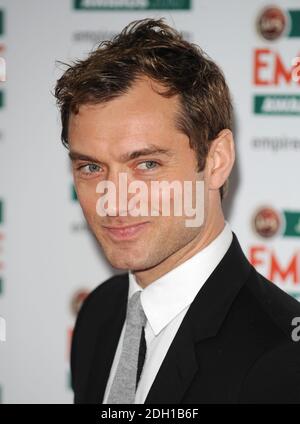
151,150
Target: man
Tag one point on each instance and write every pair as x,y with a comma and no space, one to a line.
190,321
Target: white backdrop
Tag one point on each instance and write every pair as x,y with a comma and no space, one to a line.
48,260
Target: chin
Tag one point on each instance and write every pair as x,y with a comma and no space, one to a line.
124,263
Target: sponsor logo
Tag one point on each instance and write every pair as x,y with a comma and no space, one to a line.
267,222
73,194
295,23
292,224
270,70
273,23
69,380
2,60
90,36
281,143
272,104
1,22
132,4
285,271
261,256
96,37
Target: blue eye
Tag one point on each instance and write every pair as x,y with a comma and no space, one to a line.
90,168
150,164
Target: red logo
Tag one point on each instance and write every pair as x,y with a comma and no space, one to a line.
266,222
271,23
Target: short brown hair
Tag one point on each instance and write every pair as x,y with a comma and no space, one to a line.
152,48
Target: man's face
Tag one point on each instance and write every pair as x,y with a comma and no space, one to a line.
104,136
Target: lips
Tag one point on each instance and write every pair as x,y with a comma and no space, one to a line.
125,232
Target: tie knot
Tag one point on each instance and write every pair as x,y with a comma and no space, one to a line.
135,312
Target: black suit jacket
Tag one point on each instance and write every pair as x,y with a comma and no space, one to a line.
234,344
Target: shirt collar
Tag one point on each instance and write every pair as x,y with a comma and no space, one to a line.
170,294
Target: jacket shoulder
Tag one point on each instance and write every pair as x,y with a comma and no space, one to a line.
280,307
114,285
274,376
100,298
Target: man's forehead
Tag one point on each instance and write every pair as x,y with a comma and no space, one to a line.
144,96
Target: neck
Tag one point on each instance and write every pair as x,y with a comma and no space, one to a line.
209,232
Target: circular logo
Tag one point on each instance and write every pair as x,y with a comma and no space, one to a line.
266,222
77,300
271,23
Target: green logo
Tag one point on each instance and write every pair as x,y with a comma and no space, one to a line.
292,224
1,99
295,23
73,194
1,286
69,380
1,22
132,4
277,104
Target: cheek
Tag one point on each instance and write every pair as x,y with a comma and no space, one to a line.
87,198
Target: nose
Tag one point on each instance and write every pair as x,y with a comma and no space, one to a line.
114,198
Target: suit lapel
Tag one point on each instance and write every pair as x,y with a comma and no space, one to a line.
177,370
202,320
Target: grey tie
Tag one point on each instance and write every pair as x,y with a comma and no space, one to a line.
124,383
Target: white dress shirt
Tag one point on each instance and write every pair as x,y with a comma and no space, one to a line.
165,302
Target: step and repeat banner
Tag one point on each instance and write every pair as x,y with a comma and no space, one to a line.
48,259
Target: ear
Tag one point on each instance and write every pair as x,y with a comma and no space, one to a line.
221,158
